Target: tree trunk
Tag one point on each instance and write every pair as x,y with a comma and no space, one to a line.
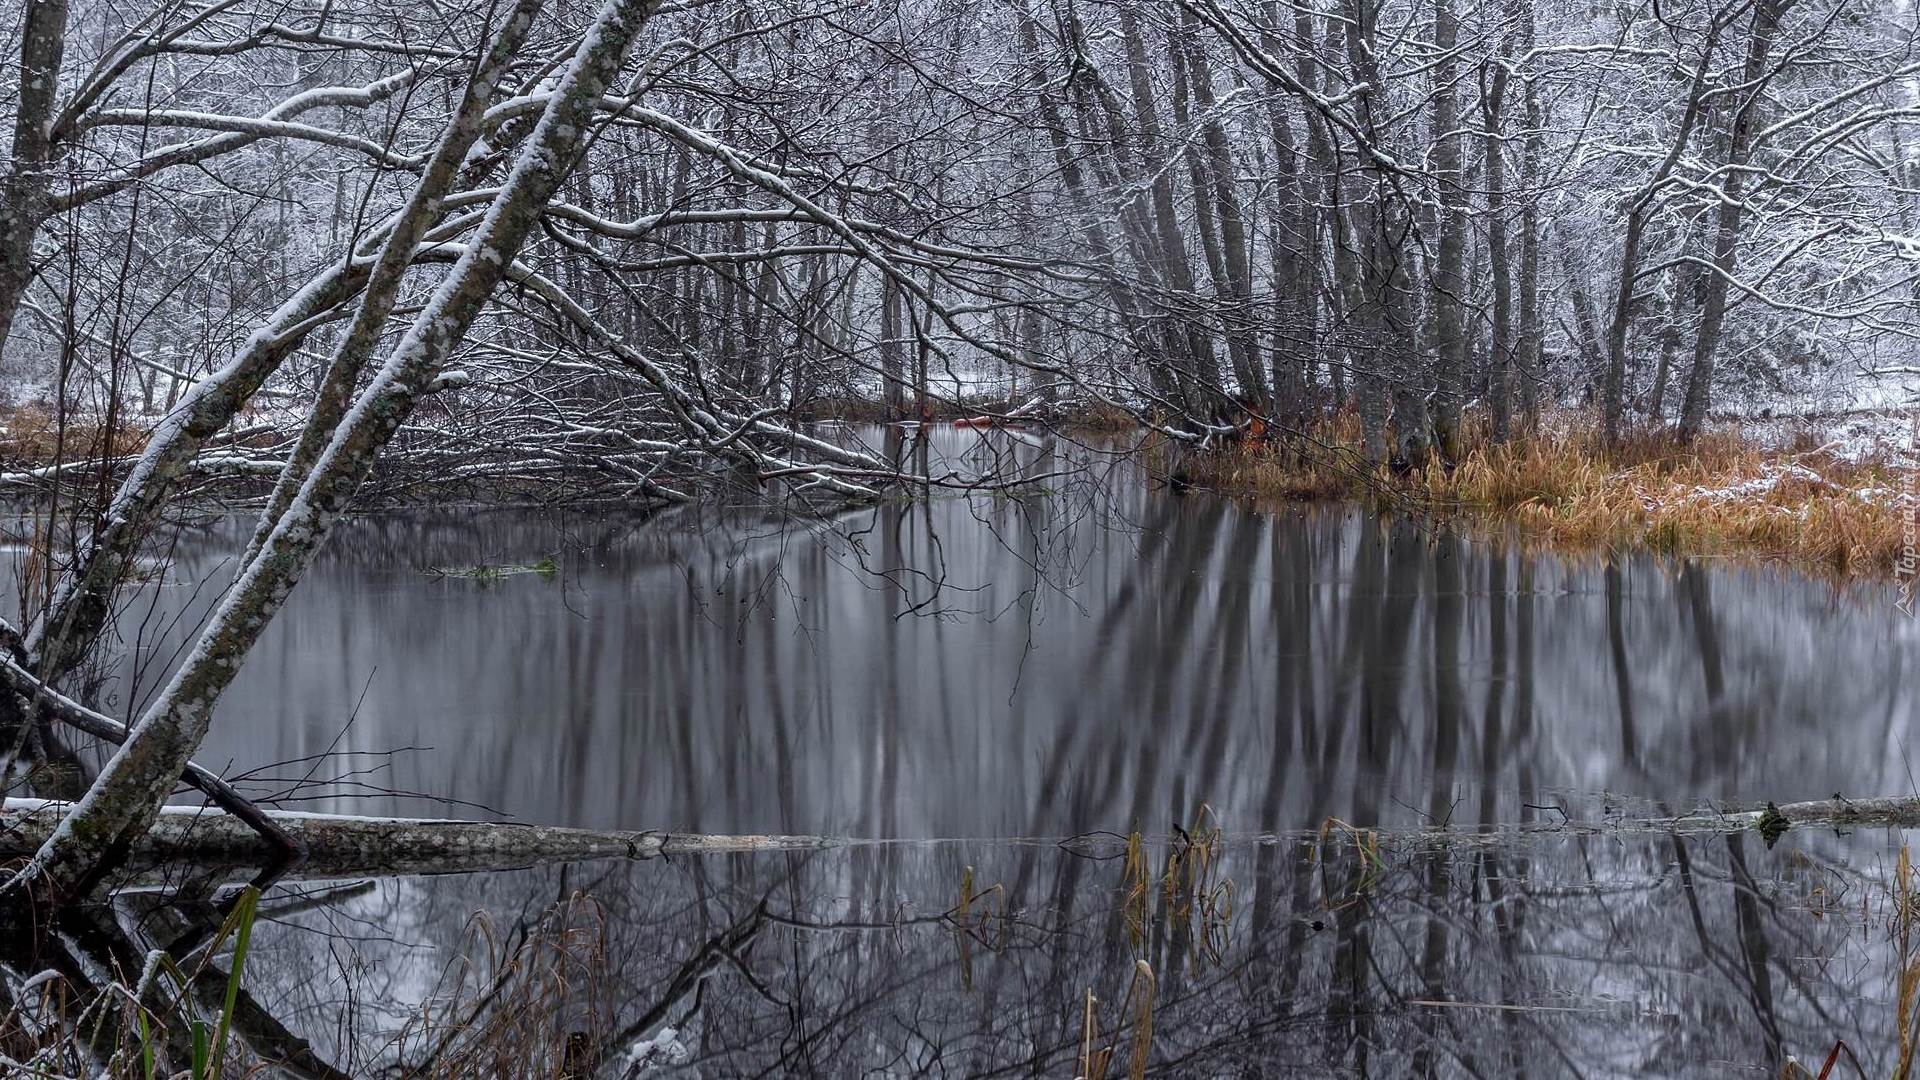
1295,261
1386,371
1216,180
1500,355
1613,380
342,845
43,44
1446,330
1533,151
1202,381
1093,229
1726,241
127,796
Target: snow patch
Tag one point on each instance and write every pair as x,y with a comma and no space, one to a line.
663,1049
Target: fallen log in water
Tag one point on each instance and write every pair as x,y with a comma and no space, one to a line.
350,845
1771,821
345,845
1895,812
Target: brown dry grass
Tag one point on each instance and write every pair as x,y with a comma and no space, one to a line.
31,436
1723,495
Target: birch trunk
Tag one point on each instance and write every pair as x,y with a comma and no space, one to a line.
127,796
383,284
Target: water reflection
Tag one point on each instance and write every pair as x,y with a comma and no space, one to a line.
1625,955
1040,664
1068,662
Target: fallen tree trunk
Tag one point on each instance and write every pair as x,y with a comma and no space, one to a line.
344,845
341,845
1893,812
1771,821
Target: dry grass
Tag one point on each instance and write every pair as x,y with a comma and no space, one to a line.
1100,417
31,436
1723,495
1096,1055
532,1002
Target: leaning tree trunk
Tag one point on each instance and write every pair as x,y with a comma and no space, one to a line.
127,796
1726,241
357,346
81,602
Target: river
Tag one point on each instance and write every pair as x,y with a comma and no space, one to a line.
997,688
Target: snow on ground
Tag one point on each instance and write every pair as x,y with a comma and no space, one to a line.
1892,436
1851,415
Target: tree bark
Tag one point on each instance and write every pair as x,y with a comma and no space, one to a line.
1500,354
127,796
1726,241
43,44
1446,331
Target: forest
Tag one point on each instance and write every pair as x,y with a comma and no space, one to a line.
1311,358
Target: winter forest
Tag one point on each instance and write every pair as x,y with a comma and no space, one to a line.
1082,538
1423,213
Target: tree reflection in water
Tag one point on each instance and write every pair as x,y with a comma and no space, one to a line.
1539,955
1103,656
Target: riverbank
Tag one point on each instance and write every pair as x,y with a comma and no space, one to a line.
1840,502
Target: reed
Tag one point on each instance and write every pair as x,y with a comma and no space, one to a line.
1096,1055
1724,494
32,435
1904,903
1906,906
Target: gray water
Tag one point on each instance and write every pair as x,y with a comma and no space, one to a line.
999,672
1102,656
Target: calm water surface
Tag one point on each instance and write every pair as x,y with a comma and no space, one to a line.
1040,666
1074,663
